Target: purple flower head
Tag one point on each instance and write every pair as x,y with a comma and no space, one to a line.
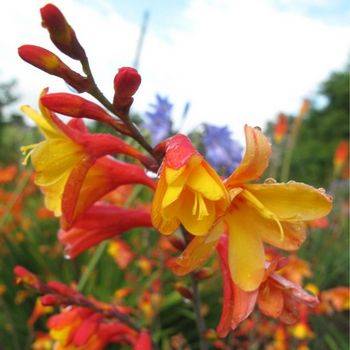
221,150
158,121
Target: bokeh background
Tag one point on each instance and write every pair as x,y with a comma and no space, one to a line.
208,68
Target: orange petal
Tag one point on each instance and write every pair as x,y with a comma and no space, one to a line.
255,160
246,251
165,226
197,252
270,300
293,201
237,304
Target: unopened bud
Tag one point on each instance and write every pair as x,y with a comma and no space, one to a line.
177,243
203,273
126,83
49,300
61,289
78,107
61,33
25,276
184,291
50,63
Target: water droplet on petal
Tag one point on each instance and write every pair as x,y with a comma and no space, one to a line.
322,190
270,180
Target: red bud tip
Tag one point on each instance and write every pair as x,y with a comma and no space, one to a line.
203,274
126,83
49,300
184,291
25,276
62,289
50,63
61,33
78,107
177,243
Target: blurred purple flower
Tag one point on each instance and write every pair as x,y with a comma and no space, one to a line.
221,150
158,121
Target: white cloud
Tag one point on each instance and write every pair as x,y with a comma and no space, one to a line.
236,61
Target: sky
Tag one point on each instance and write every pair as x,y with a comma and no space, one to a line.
236,61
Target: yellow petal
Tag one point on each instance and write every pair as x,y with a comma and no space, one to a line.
255,160
44,124
292,201
196,224
201,181
246,251
53,194
165,226
173,174
53,157
171,194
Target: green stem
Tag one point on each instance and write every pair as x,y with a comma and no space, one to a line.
197,303
92,264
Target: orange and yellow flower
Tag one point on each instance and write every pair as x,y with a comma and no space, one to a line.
274,213
189,191
63,160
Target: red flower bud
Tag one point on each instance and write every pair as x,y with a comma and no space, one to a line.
49,300
126,83
78,107
25,276
50,63
177,243
184,291
61,33
62,289
203,273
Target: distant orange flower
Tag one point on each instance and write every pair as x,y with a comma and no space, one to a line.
320,223
335,299
8,173
121,252
341,156
281,128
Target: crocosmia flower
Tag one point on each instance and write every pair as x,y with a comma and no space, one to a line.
270,212
276,297
158,121
81,328
281,128
189,191
63,159
222,151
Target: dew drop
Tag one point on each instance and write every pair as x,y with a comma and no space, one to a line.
270,180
